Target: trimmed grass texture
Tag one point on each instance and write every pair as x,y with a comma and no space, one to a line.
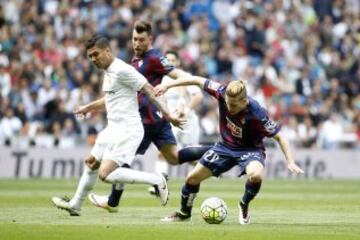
295,209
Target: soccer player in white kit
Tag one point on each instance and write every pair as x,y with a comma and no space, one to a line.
186,98
116,145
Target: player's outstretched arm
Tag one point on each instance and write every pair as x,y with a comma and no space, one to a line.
160,103
285,148
177,73
191,80
97,105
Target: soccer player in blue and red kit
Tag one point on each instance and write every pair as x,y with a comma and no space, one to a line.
154,66
243,125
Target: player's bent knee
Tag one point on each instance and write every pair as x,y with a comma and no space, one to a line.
171,158
172,161
254,171
255,177
92,163
170,153
103,175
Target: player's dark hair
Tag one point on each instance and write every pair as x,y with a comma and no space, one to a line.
173,52
98,41
141,26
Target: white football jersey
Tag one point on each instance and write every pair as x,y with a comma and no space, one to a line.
191,130
121,84
172,95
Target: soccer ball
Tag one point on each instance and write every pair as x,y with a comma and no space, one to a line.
214,210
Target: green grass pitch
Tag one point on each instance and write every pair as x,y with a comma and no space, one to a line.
296,209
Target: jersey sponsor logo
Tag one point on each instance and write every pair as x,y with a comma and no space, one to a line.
235,130
214,85
270,126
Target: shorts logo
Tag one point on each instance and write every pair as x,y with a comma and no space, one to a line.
250,155
235,130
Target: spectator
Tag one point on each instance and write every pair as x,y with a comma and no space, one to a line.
331,132
5,81
9,127
301,58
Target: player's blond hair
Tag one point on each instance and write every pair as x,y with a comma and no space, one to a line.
237,88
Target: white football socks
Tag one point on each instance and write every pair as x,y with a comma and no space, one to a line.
126,175
119,186
161,166
86,184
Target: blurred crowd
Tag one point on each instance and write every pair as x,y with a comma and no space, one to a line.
301,59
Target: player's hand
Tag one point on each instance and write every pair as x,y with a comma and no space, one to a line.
160,89
80,112
294,168
176,120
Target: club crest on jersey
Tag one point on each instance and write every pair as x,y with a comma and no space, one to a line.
140,63
270,126
235,130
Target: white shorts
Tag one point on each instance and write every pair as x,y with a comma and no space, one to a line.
117,145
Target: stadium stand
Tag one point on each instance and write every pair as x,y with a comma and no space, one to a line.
301,59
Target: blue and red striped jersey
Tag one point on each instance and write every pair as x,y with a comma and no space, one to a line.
246,129
153,65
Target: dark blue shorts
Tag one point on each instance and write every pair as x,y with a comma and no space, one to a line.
159,133
220,159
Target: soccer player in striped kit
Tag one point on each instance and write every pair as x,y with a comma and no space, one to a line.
243,125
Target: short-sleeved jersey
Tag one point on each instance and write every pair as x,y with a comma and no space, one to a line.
121,84
153,65
246,129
